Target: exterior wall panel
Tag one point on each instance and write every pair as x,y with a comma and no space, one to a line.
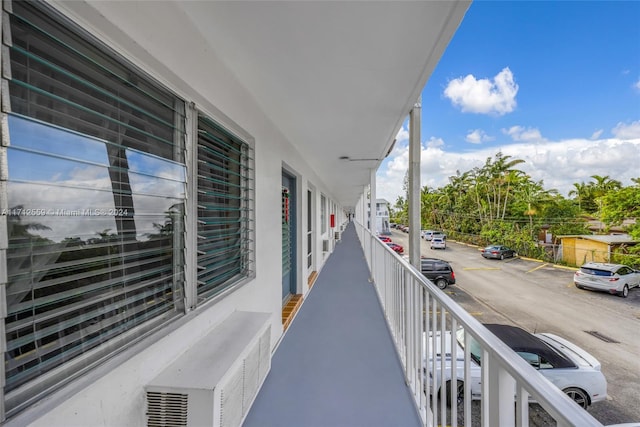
590,251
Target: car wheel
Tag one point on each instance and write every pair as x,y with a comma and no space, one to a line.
459,392
501,256
625,292
578,286
578,395
441,283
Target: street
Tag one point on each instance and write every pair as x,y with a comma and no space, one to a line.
541,297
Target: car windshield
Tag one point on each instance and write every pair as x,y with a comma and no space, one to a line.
474,347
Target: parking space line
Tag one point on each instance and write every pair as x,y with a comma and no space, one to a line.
537,268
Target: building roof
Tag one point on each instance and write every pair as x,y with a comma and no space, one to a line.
609,239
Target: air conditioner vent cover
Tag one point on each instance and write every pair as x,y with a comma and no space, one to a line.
167,409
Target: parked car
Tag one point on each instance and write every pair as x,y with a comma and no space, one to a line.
613,278
438,271
438,243
423,233
430,234
396,247
567,366
385,239
498,252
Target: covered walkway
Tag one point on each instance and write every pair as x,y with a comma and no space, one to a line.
337,365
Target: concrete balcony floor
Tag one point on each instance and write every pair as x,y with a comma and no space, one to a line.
337,365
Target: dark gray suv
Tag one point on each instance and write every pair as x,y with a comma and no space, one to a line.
438,271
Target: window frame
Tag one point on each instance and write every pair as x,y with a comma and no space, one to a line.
248,206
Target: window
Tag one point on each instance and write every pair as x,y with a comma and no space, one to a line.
323,214
95,231
225,201
427,266
535,360
623,271
440,266
532,358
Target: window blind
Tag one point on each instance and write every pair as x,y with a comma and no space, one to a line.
95,243
225,200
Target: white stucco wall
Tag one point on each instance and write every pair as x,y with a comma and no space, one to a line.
113,394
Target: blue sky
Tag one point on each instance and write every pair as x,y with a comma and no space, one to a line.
556,84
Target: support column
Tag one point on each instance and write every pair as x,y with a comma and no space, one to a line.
372,203
415,203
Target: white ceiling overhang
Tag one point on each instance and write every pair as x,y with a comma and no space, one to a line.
337,78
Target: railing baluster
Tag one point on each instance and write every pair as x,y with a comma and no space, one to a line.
425,356
522,407
454,374
443,367
434,350
467,379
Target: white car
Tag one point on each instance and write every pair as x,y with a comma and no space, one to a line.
566,365
613,278
430,234
438,243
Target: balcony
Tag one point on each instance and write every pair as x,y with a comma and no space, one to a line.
354,354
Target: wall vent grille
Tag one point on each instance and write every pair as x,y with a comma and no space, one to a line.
167,409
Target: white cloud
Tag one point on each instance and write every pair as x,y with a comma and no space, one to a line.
89,189
558,163
627,131
484,96
520,134
478,136
403,135
596,134
435,142
637,84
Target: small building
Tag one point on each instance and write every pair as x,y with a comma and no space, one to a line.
382,216
576,250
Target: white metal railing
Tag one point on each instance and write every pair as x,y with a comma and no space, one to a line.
418,314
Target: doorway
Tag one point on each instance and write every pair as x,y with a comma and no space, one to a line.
289,230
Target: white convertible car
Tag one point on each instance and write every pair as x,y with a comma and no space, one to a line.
566,365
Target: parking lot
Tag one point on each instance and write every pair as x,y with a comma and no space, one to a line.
541,297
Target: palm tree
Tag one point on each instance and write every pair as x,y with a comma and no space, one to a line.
534,196
17,228
502,173
604,184
581,191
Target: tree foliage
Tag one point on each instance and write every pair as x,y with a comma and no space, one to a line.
499,203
